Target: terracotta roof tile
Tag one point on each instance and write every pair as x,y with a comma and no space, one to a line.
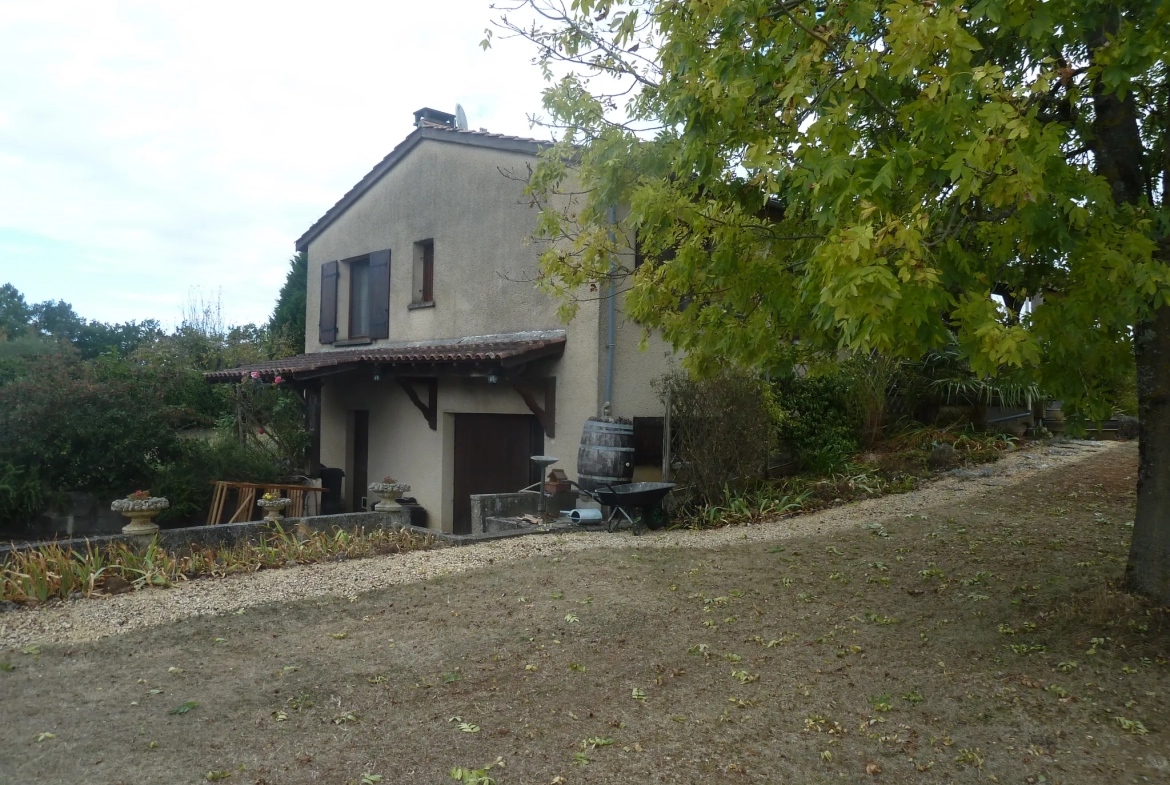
502,350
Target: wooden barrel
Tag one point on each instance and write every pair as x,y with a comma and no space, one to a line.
606,455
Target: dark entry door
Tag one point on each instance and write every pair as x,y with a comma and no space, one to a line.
361,458
491,456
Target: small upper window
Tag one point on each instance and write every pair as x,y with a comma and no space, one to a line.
424,273
359,298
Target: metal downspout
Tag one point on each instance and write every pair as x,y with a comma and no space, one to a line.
609,346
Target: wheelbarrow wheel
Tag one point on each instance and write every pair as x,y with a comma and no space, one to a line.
655,518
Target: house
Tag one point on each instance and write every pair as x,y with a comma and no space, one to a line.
435,359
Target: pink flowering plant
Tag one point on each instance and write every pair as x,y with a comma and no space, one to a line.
257,376
268,416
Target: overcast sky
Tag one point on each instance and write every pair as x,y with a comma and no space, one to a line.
151,150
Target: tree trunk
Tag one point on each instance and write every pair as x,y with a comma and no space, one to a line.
1118,152
1116,139
1148,570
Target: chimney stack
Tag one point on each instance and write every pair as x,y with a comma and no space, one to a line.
433,118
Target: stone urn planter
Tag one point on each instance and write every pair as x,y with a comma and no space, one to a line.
388,491
140,508
273,508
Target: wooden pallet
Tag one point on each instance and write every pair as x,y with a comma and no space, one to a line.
246,500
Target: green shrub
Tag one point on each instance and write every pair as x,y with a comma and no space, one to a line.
723,428
97,427
943,377
110,426
22,494
187,480
873,382
106,409
20,356
821,419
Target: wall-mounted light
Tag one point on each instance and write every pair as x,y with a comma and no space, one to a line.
493,377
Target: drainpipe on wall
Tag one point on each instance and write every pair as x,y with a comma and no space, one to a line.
607,410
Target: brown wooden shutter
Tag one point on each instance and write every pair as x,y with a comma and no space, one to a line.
329,275
428,287
380,294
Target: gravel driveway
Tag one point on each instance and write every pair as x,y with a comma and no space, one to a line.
91,619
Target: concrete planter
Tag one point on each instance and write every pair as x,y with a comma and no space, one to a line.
140,512
273,508
388,492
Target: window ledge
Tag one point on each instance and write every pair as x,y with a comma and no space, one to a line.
354,342
416,306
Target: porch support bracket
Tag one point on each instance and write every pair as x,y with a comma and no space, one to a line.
546,415
430,410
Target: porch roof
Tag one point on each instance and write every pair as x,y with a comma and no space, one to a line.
420,358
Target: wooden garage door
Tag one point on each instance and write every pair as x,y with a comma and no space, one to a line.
492,454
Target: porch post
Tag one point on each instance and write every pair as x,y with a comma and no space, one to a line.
313,426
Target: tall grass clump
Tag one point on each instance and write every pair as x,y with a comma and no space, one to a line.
51,571
747,507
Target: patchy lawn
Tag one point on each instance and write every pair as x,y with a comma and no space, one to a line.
978,640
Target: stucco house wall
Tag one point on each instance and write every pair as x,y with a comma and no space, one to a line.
469,200
481,224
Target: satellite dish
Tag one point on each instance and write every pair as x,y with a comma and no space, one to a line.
460,118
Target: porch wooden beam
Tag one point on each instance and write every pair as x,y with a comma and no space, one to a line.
546,415
329,371
409,370
555,350
430,410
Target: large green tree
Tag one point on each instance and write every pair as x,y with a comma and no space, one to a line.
15,313
811,176
288,318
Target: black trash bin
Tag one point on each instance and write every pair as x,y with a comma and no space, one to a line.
333,481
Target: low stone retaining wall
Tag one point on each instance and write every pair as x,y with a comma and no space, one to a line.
488,506
499,505
228,534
